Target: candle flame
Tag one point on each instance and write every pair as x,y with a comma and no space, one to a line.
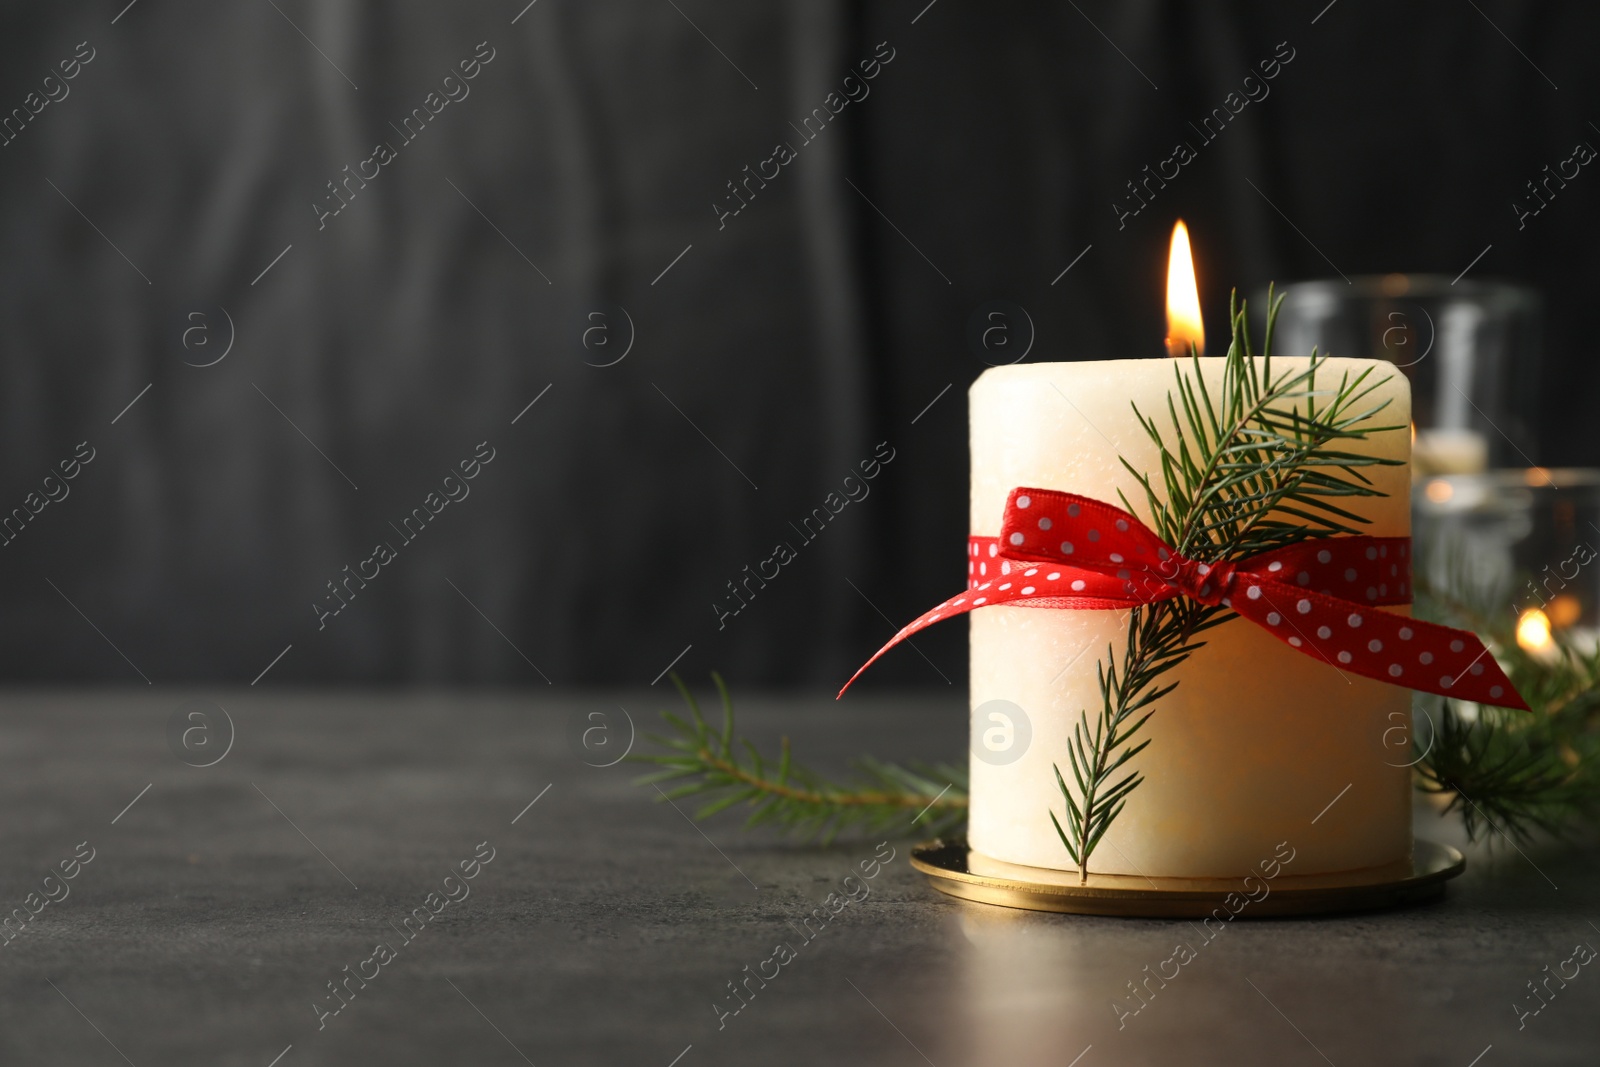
1184,325
1533,630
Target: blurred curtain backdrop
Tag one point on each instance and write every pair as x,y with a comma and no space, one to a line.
584,171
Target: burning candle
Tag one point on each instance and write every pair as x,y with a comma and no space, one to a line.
1259,743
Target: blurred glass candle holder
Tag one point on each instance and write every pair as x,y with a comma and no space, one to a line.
1471,350
1524,540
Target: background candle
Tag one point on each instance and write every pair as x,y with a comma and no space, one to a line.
1257,740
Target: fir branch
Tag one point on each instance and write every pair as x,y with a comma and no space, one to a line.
1253,470
716,763
1504,771
1510,773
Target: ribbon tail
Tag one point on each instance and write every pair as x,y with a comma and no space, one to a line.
948,609
1377,644
1016,594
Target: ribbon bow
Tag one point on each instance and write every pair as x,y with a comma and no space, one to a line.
1321,596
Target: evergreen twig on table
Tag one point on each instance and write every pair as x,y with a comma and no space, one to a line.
1504,771
714,762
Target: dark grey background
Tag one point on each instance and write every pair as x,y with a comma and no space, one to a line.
809,329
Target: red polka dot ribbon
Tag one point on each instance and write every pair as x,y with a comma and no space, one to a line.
1321,596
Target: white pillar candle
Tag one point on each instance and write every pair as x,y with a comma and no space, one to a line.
1258,739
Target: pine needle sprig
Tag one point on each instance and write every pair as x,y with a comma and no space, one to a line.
1505,773
1158,639
1240,469
1511,773
714,762
1257,467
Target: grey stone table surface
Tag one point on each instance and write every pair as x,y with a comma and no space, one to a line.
214,911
